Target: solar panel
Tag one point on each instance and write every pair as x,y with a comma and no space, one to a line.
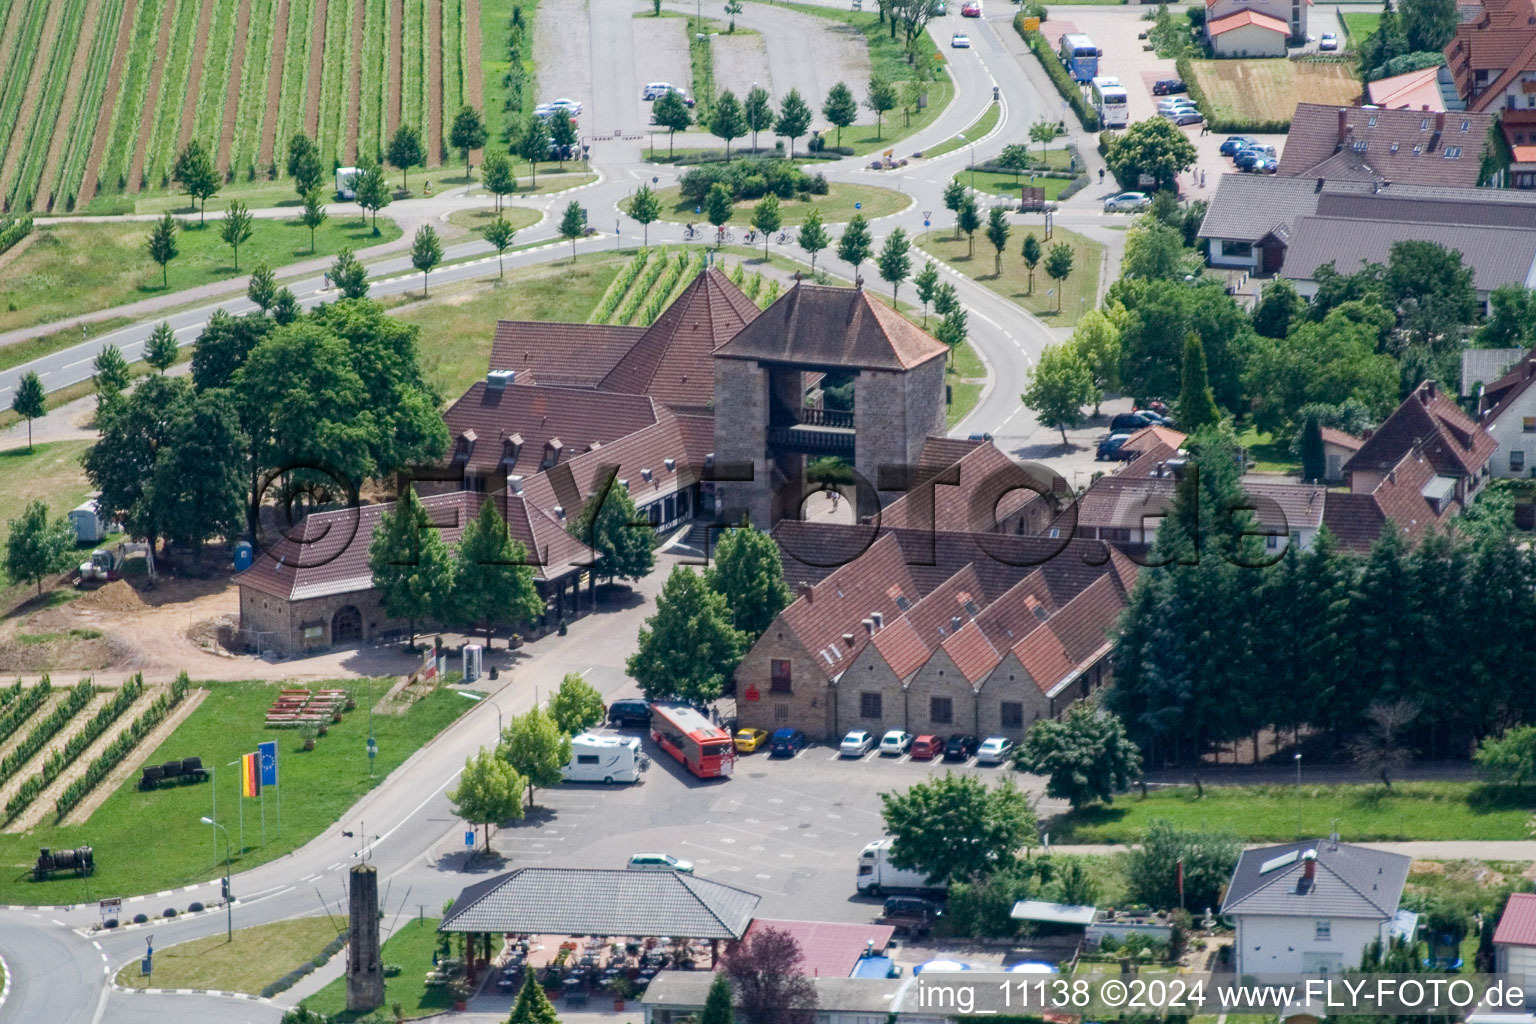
1275,863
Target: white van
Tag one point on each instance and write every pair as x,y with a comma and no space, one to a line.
656,90
345,177
607,759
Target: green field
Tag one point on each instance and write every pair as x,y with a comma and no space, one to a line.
149,841
1078,292
76,268
410,948
978,129
254,959
1268,90
837,206
1009,184
1281,813
1361,26
1269,454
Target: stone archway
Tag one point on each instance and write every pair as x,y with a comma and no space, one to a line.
347,625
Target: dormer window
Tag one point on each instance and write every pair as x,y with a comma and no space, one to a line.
465,445
671,464
511,448
552,449
646,474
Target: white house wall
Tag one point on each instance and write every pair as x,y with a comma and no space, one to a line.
1272,944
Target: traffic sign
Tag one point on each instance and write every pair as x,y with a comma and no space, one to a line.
469,839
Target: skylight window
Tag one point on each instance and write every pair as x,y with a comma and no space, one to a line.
1276,863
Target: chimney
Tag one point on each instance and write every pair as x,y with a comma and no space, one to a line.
858,283
1319,184
1428,391
1440,121
1343,123
847,639
803,589
954,623
878,618
1308,880
869,626
515,484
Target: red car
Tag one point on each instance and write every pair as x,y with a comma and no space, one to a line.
971,10
926,748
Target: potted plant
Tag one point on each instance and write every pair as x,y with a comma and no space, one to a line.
458,988
309,733
351,701
622,990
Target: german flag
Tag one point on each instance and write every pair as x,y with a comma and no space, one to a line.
250,775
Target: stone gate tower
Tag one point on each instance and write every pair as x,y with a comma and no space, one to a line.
365,965
761,416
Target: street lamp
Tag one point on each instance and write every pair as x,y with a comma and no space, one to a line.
972,144
477,698
229,912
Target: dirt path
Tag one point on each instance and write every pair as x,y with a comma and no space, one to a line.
316,70
274,84
16,250
43,806
12,30
474,82
147,118
75,724
394,98
130,764
355,91
232,95
108,103
46,43
77,70
435,141
195,79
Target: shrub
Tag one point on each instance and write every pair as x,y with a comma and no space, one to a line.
748,178
140,918
168,912
1058,74
194,907
110,922
392,970
13,230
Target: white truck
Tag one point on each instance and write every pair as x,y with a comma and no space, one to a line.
877,875
607,759
344,179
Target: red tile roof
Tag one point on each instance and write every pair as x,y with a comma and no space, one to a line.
923,627
1500,40
1343,440
1406,147
537,415
828,949
1429,418
1414,91
1242,18
971,651
870,583
565,355
833,327
1358,519
981,488
1517,925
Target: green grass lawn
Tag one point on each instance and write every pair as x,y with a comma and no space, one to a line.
410,948
1413,810
77,268
978,128
966,376
1010,185
1078,291
253,960
51,472
1268,453
148,841
837,206
1361,26
40,345
518,216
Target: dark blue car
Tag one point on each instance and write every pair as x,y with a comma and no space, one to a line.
1235,144
786,743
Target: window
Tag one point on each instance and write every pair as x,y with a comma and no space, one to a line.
1453,152
941,710
1371,121
1229,248
1417,150
1361,145
1055,532
1394,147
1322,930
1296,537
1272,542
781,711
1465,124
1517,462
586,759
1424,125
780,676
869,705
1011,714
1528,424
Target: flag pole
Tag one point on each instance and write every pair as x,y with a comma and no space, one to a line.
263,815
213,778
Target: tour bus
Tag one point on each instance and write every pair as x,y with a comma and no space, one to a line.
1111,102
1080,56
703,748
607,759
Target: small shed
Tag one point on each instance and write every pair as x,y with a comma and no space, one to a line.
86,520
1070,914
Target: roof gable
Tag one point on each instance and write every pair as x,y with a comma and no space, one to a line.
1349,881
1244,18
833,327
1370,143
566,355
1430,421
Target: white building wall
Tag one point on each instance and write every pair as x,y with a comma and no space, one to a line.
1249,41
1516,454
1221,259
1518,960
1272,944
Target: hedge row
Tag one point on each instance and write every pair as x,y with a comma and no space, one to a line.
22,702
74,747
1058,74
78,698
13,230
1219,122
291,979
119,748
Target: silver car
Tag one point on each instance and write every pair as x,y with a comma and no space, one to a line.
1127,202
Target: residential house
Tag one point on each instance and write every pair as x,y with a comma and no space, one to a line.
1312,907
1514,942
1492,59
1405,147
1254,28
1507,411
1248,222
1425,89
1338,448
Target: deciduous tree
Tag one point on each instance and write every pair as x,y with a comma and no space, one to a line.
968,221
467,133
927,282
749,574
957,827
1014,157
372,191
406,151
840,109
1032,254
110,373
236,227
261,288
313,214
121,464
426,253
198,487
1097,342
162,246
854,247
645,208
688,648
671,112
492,582
285,307
1059,386
573,224
1044,132
499,233
496,174
411,566
766,978
576,706
813,236
997,234
1153,868
758,110
1154,147
29,401
610,524
954,198
534,745
533,144
349,275
223,346
1058,267
1510,758
895,260
794,118
490,791
1084,755
726,120
766,219
36,548
880,98
196,175
304,164
562,132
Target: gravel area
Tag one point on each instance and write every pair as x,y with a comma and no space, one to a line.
740,63
661,53
562,39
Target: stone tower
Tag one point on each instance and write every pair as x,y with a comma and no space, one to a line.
761,418
365,966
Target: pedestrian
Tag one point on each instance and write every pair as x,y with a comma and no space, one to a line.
835,498
1202,179
1101,175
327,278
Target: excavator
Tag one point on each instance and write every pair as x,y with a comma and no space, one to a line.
106,564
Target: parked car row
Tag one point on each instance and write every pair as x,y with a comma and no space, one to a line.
1250,155
571,107
1180,110
927,747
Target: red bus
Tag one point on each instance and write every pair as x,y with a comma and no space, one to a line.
704,748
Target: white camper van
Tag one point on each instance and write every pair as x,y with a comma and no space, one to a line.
344,182
607,759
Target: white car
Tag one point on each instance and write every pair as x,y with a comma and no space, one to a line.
895,742
856,744
570,106
994,750
655,90
659,862
1175,103
960,41
1329,41
1127,202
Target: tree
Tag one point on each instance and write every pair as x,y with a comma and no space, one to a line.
717,1003
261,288
945,299
406,151
1196,406
236,228
609,524
645,208
533,143
1329,362
954,198
1058,267
1427,24
1044,132
285,307
533,1006
197,176
1097,342
198,486
1154,147
895,260
766,218
223,347
162,246
997,234
927,282
111,373
1153,250
688,648
314,213
855,245
749,575
492,581
1314,461
496,174
467,133
372,191
160,349
766,978
733,8
1059,386
499,233
411,565
671,112
1380,748
968,221
813,236
534,745
794,119
35,547
30,402
304,164
573,224
349,275
1509,759
1014,157
1276,309
121,465
490,791
726,120
426,253
880,98
758,110
957,827
952,329
1084,755
562,132
840,109
1032,254
1153,869
576,706
719,205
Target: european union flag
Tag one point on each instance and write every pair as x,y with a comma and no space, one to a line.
268,753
